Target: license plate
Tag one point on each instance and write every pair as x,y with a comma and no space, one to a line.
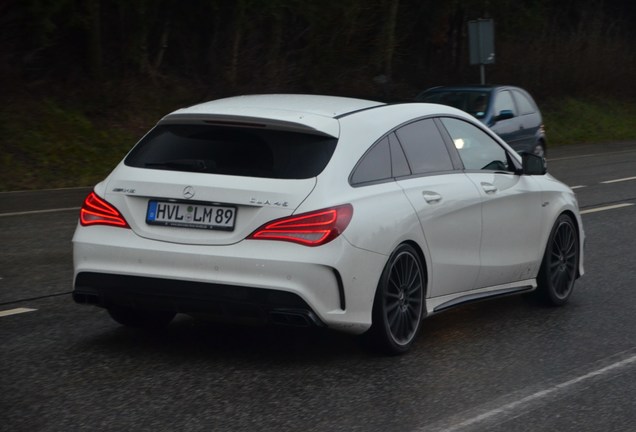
191,215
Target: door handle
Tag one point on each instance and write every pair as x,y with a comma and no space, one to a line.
489,188
431,197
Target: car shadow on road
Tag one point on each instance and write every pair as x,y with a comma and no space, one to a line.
187,337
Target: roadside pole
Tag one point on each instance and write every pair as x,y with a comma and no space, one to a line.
481,42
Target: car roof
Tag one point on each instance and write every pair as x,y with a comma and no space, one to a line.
367,126
323,115
471,87
309,113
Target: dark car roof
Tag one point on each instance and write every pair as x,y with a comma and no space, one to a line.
468,87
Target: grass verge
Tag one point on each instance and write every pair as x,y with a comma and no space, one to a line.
581,121
48,146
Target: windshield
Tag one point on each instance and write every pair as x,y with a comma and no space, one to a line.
473,102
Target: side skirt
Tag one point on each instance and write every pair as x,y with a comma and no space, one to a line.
440,304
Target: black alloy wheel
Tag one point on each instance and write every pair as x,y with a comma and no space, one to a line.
398,308
560,263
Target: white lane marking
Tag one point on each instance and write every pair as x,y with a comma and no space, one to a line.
619,180
510,410
39,211
16,311
600,209
569,157
577,187
46,190
589,155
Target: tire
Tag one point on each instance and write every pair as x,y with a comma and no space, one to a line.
398,308
557,274
539,149
141,318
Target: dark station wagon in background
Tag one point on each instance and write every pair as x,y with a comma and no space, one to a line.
509,111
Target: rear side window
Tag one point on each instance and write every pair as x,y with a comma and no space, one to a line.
233,151
399,164
424,147
375,165
385,160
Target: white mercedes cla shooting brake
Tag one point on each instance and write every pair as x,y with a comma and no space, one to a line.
323,211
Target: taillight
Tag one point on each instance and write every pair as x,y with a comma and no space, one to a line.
310,229
96,211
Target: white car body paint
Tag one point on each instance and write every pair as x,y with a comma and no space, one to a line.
472,242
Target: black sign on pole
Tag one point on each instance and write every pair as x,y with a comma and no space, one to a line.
481,42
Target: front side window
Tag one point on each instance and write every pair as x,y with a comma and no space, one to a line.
477,150
504,102
233,151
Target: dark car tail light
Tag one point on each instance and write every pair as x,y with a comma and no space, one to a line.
310,229
96,211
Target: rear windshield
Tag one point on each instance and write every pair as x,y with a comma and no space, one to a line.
472,102
232,151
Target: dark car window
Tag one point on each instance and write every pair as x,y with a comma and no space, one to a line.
232,151
472,102
375,165
398,160
477,150
424,147
504,102
385,160
478,105
524,104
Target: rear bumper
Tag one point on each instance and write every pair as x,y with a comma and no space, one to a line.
332,285
225,302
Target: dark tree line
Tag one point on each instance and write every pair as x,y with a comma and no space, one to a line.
371,48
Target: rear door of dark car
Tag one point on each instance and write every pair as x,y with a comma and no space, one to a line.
529,119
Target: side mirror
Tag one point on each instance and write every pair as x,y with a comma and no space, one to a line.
504,115
533,164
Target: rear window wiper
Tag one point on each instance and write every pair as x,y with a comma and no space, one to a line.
196,165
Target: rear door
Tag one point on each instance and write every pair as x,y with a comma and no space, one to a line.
214,185
529,119
448,206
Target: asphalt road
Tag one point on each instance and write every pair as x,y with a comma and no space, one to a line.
504,365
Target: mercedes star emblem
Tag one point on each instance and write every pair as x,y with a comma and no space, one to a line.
188,192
